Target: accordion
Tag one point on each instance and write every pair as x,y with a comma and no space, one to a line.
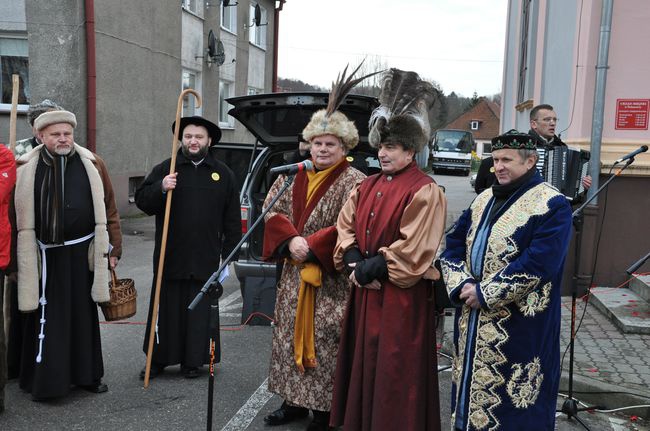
564,168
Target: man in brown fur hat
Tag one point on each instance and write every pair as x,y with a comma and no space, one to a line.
66,223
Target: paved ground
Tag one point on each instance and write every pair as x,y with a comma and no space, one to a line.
241,400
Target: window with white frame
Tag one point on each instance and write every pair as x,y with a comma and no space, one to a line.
473,125
226,90
257,34
229,18
190,5
14,60
190,80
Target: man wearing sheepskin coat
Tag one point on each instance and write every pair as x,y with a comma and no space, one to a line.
66,221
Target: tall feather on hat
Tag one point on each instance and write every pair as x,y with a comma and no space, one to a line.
403,114
331,121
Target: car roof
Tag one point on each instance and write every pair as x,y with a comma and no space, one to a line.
278,118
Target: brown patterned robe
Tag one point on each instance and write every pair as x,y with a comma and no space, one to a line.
316,222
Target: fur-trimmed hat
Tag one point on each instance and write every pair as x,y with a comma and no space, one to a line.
403,114
513,140
54,117
336,124
213,130
330,121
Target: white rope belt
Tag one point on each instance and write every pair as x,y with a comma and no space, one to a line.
42,300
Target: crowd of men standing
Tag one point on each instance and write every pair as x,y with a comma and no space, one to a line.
354,340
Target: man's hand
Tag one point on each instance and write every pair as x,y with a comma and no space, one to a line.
169,182
373,285
468,293
112,261
586,182
299,248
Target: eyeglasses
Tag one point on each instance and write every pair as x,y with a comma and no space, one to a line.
547,119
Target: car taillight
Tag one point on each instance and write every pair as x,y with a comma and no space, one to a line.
244,219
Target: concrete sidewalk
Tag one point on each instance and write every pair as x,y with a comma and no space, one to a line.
612,368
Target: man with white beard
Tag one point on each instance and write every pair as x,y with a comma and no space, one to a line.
66,212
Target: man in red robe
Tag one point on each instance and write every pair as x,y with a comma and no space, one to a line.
388,235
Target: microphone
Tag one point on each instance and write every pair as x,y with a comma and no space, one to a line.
637,264
305,165
641,149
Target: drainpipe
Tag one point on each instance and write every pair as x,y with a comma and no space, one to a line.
599,95
91,77
276,29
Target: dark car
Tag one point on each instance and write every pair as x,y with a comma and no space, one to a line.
276,120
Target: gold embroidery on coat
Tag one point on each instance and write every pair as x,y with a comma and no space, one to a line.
535,302
454,274
524,384
491,333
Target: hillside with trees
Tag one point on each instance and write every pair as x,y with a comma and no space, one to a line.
447,108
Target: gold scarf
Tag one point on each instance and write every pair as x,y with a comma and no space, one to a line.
304,348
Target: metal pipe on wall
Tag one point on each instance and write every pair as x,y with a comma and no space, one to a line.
599,95
91,77
276,29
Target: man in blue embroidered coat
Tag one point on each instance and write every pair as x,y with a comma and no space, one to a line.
503,267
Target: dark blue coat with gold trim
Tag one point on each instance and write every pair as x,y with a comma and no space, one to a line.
506,367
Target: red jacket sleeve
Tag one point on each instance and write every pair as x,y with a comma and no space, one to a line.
322,243
277,230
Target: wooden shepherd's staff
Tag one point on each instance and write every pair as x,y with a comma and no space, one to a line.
14,111
163,239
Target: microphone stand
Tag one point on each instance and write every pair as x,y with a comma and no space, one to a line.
570,405
213,288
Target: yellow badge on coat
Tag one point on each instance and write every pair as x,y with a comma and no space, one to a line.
492,169
215,176
349,158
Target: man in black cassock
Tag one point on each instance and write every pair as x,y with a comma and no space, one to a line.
66,222
204,226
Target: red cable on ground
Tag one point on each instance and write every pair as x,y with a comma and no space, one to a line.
225,328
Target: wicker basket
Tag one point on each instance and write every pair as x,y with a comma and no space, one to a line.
123,299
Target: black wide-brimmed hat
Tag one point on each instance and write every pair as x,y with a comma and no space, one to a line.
213,130
513,140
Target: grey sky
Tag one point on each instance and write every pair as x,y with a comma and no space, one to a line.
458,43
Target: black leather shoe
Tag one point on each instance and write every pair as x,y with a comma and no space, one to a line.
190,372
96,388
155,371
320,422
285,414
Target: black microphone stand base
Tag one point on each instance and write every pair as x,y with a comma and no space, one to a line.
570,409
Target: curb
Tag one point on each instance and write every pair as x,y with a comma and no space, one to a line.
607,396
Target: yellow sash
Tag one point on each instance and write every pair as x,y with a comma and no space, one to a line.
304,349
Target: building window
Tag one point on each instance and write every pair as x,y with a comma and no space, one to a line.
226,90
257,34
473,125
190,80
253,90
523,51
229,18
14,60
190,5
